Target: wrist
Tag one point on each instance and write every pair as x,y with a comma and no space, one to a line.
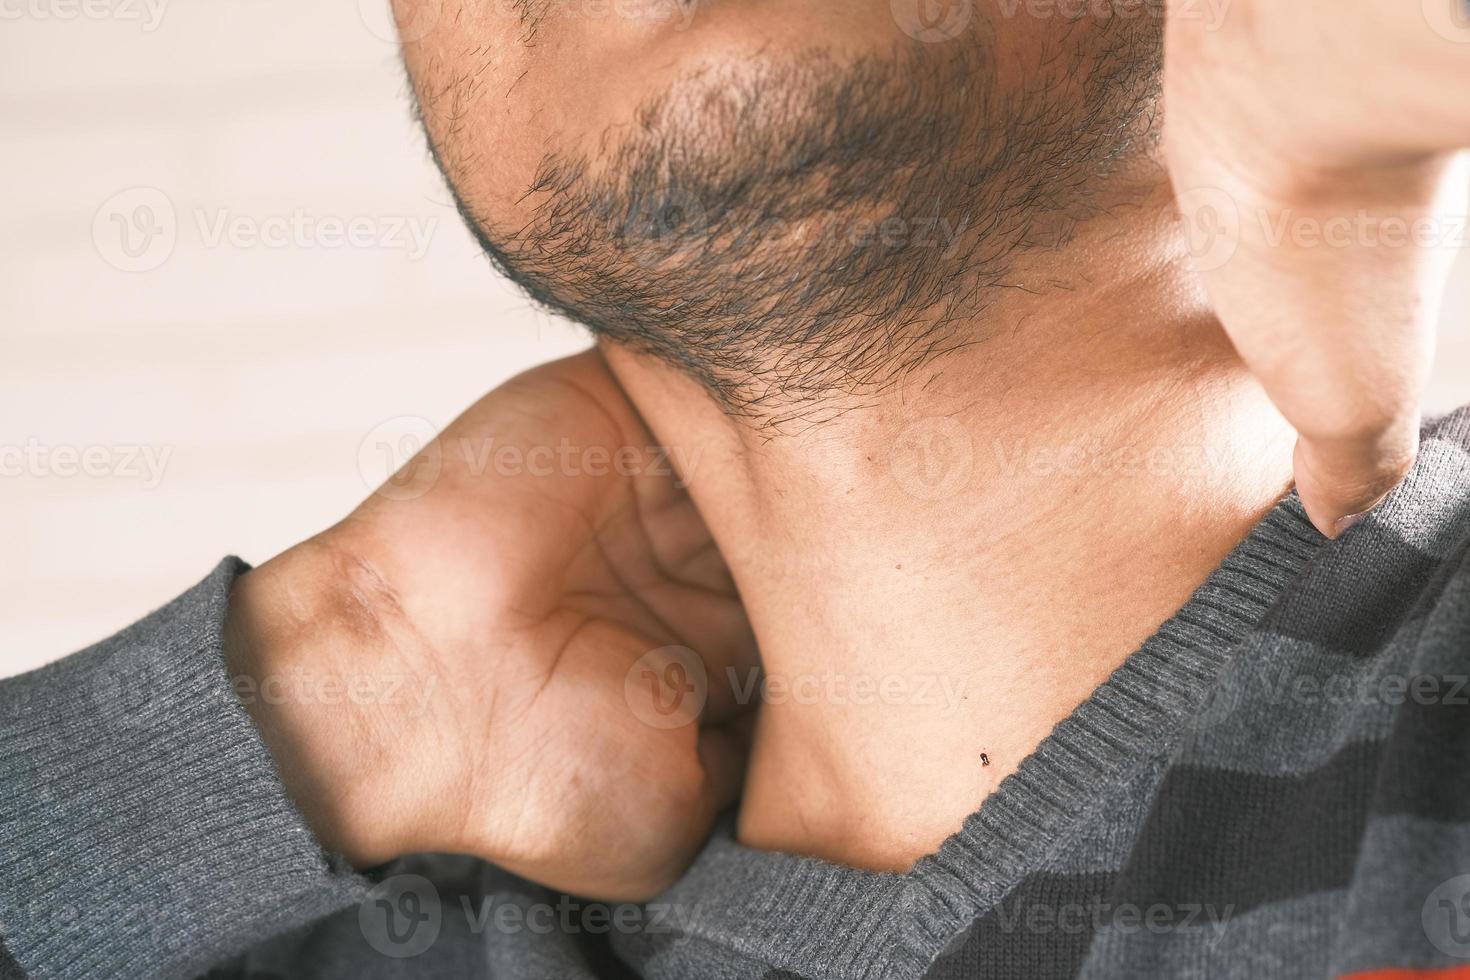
317,660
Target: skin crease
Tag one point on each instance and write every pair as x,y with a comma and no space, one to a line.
924,533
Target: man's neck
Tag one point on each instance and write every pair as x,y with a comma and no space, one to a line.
939,575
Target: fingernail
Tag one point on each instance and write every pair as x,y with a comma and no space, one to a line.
1346,524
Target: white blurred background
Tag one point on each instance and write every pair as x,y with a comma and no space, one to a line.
183,395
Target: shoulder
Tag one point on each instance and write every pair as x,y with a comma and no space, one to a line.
1402,576
1446,443
1429,513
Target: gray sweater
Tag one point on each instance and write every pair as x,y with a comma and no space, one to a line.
1276,785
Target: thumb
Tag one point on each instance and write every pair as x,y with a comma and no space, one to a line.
1334,314
1341,480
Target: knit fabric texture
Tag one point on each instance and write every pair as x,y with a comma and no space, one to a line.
1275,785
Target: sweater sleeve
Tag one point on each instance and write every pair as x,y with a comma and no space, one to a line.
144,831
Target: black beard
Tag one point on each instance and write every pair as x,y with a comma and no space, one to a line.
786,231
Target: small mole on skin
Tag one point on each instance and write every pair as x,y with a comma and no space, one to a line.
984,759
899,566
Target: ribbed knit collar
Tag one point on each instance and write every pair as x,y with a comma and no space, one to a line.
825,920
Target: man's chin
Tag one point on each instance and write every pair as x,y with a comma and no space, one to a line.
808,219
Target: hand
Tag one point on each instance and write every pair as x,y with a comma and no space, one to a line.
509,586
1327,129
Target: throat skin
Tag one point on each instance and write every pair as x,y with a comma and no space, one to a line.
940,571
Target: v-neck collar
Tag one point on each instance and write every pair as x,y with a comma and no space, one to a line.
819,919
